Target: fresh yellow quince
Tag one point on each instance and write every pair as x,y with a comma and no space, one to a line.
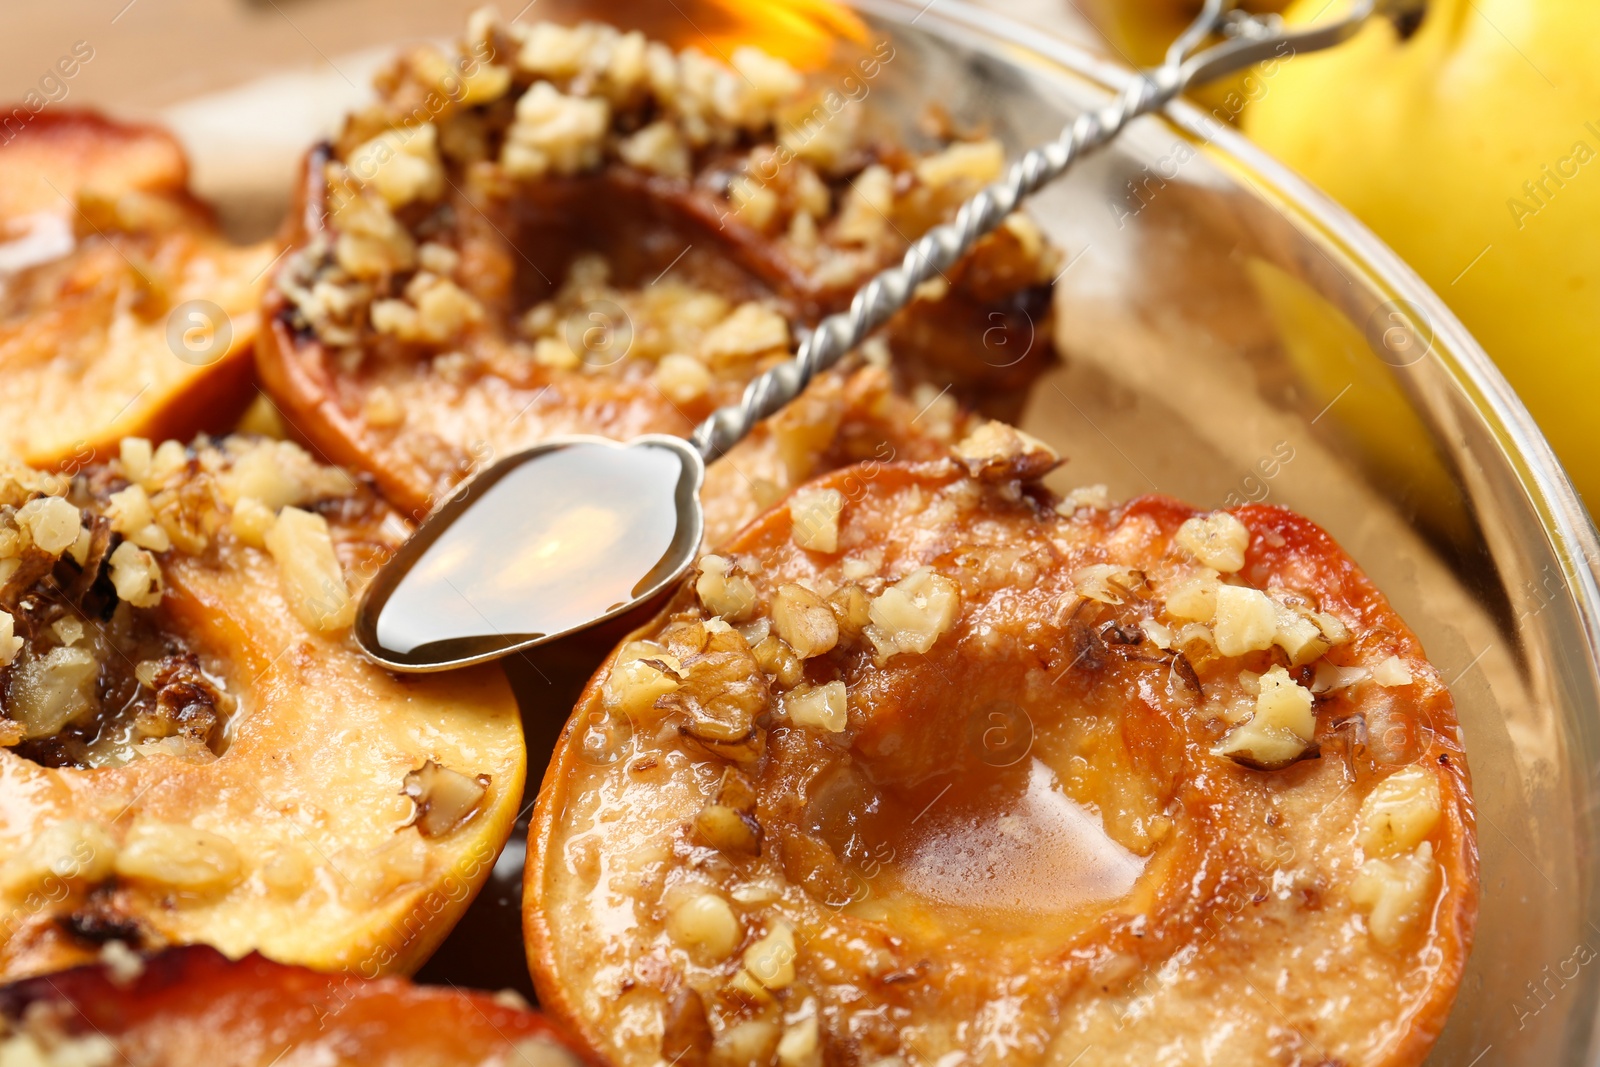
1473,147
1140,31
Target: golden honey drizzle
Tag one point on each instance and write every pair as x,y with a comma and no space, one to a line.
546,545
1001,848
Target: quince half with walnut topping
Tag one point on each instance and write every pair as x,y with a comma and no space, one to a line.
556,230
192,1005
194,750
928,766
123,309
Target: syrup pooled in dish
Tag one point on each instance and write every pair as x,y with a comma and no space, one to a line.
123,310
925,766
193,748
193,1005
558,230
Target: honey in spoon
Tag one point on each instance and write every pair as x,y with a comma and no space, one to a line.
546,542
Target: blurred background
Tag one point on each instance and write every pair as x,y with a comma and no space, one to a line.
1465,139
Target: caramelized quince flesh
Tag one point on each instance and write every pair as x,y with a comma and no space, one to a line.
473,278
102,251
193,1005
195,751
979,774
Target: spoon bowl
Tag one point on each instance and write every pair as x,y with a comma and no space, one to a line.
552,540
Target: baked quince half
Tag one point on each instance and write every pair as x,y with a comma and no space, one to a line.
928,766
193,1005
191,747
560,230
123,310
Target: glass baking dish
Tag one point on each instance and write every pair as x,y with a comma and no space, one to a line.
1227,335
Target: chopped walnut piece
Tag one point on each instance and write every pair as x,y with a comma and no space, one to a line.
401,164
864,214
997,452
1393,892
658,148
444,798
751,330
438,311
439,259
129,510
804,621
280,473
169,460
814,517
705,925
727,830
965,161
824,707
682,379
189,513
747,1041
775,657
642,673
1392,672
853,609
801,1044
136,576
1161,636
1330,677
52,522
313,580
188,703
1218,541
67,630
1094,497
1246,620
372,244
1280,731
729,824
10,644
1298,635
771,959
250,521
136,453
1195,598
1109,584
724,592
554,132
1400,811
753,202
723,693
913,613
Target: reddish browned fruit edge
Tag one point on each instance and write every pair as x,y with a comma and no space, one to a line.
195,1005
296,370
1296,538
62,151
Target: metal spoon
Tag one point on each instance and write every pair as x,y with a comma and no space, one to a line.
580,530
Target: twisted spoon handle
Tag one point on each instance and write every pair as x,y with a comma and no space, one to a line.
932,254
1250,40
